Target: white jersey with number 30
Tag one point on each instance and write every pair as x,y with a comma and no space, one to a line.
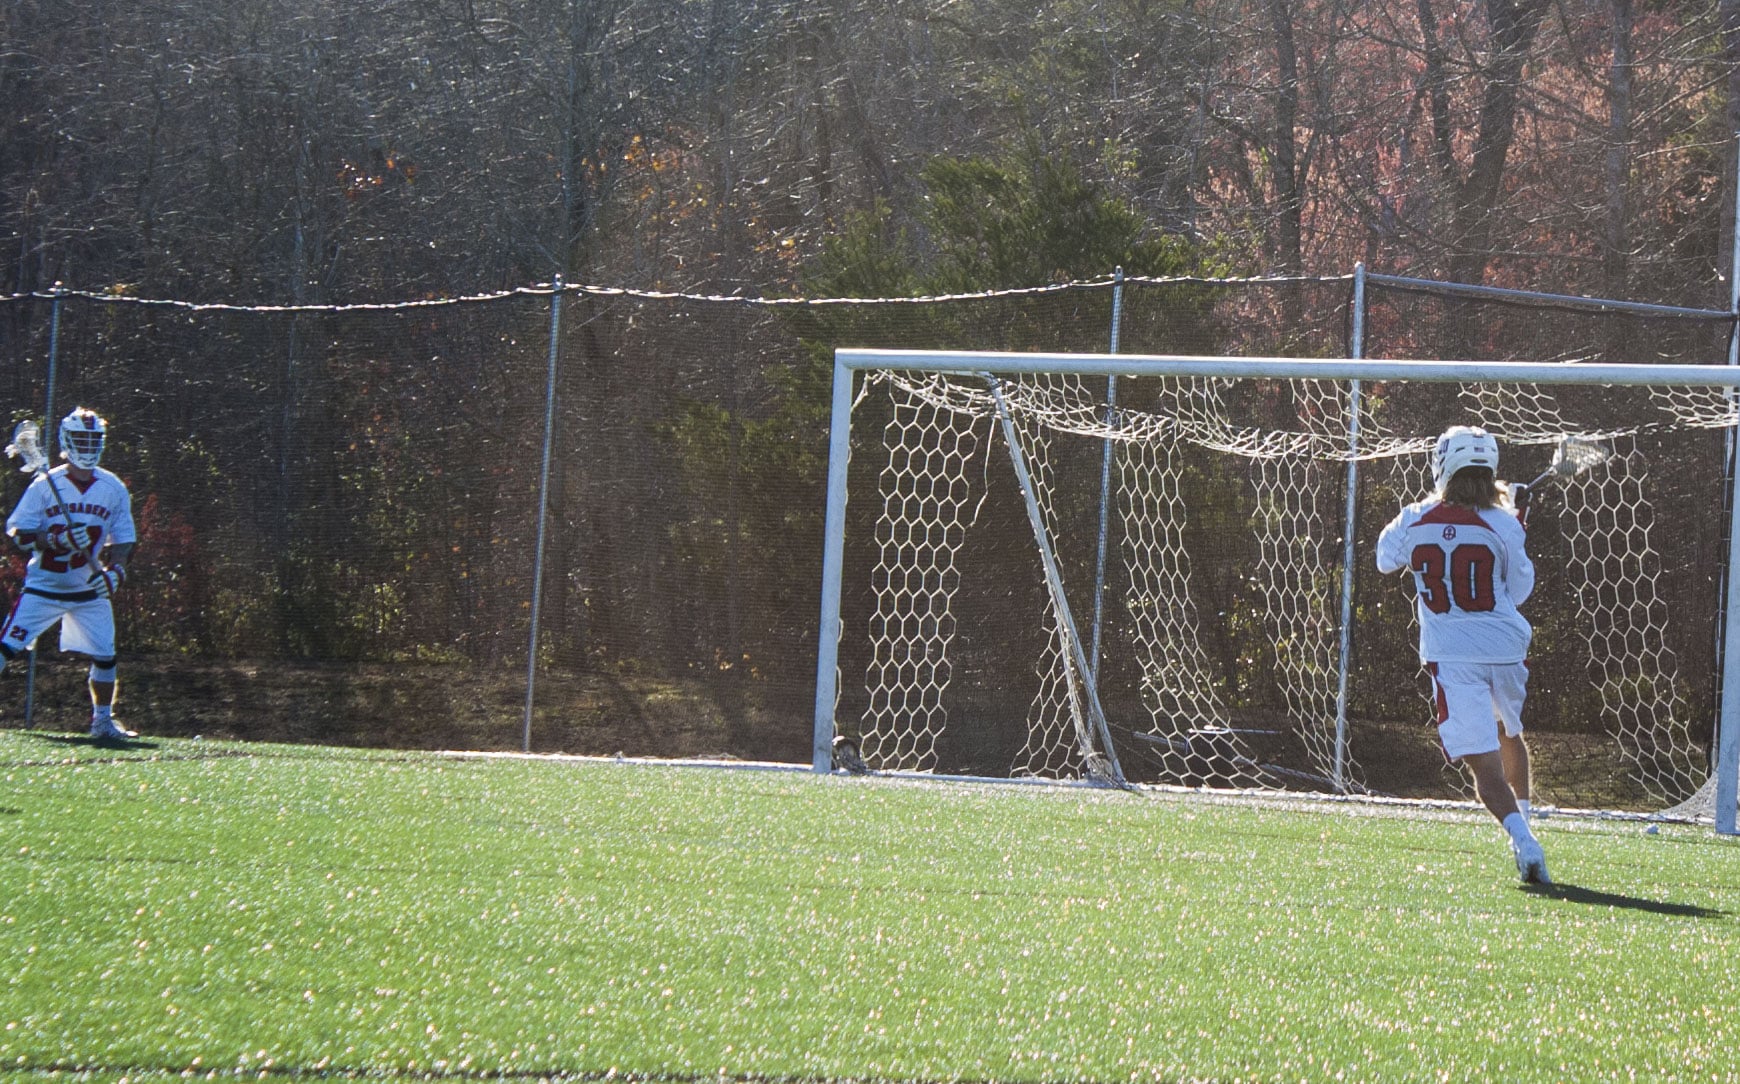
1471,572
103,505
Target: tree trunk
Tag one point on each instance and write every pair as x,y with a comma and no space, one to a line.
1437,92
1616,240
1514,24
1288,185
1730,17
1289,203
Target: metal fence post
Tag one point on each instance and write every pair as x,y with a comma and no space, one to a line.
1349,526
543,507
57,293
1106,479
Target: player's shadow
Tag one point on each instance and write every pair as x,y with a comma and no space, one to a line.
1597,898
94,743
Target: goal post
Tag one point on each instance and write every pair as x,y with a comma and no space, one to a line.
952,576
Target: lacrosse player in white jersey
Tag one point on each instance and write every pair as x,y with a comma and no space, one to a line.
1464,546
76,523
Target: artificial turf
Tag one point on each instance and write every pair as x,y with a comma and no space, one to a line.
184,909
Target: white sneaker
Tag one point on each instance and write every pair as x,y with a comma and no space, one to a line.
110,730
1531,862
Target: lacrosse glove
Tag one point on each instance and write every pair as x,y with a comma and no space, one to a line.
106,581
1519,499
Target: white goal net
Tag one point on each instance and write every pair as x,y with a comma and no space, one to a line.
1159,570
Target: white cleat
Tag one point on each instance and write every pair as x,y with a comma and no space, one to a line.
110,730
1531,862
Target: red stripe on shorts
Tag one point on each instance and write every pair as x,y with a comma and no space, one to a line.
1442,705
1439,702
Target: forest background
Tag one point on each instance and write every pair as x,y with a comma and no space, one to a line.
334,154
262,152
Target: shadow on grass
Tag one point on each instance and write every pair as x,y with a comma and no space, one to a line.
142,744
1597,898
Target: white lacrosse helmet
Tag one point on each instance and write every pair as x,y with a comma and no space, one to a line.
1462,446
81,438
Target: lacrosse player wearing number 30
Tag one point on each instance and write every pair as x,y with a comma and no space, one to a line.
76,523
1464,546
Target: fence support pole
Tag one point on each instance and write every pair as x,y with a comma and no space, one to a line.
58,293
1349,526
1106,479
543,508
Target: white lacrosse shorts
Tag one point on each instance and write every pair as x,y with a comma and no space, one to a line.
1473,699
86,627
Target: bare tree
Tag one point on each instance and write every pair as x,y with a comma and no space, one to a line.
1512,26
1728,14
1617,165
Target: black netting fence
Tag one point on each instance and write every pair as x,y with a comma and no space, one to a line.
339,508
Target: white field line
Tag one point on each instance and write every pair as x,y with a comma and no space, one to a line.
1424,808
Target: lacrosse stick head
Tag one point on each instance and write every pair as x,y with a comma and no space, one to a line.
1574,455
27,446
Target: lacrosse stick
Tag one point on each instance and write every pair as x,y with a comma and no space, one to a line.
1572,457
27,446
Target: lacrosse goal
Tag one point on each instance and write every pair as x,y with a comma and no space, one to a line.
1146,569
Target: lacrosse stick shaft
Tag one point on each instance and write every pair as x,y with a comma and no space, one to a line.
1543,476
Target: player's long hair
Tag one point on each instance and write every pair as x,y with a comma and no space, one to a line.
1475,487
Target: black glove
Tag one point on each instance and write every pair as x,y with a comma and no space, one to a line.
1519,499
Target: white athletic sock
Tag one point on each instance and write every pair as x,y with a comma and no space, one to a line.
1522,806
1518,826
101,713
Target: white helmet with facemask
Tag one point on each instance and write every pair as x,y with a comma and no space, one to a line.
81,438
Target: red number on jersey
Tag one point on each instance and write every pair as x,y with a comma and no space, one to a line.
62,562
1468,585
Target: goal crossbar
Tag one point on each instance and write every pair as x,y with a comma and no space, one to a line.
973,363
849,361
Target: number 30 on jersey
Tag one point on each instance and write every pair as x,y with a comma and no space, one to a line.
1463,576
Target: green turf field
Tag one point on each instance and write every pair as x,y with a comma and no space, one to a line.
184,909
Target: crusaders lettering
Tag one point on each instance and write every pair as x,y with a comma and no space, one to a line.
78,508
